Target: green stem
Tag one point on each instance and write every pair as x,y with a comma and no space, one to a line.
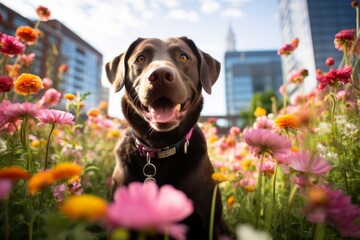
319,232
288,210
346,56
47,147
258,191
212,214
274,183
31,216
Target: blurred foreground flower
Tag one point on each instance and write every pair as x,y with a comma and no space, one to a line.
10,45
6,83
13,173
145,206
5,188
43,13
28,34
333,207
84,207
287,121
335,77
247,232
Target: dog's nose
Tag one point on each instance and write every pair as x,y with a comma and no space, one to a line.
162,73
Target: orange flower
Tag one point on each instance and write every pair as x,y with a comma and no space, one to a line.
66,170
287,121
28,34
114,133
63,68
231,200
13,172
69,96
259,112
12,69
84,207
40,181
103,105
28,83
93,112
219,177
43,13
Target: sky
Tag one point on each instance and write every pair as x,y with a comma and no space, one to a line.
112,25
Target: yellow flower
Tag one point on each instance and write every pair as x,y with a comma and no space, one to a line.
13,172
84,207
114,133
66,170
317,196
35,143
40,181
213,139
27,84
246,164
219,177
287,121
69,96
56,132
249,188
259,112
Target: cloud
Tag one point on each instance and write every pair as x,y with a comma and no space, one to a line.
183,15
232,13
210,6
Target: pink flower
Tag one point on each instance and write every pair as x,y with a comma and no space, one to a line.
143,206
235,130
335,77
47,82
51,97
297,77
59,192
10,45
286,50
10,112
304,162
5,188
6,83
266,167
344,37
264,123
52,116
27,60
262,141
336,209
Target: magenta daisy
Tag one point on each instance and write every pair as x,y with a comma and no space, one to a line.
145,206
52,116
264,123
262,141
304,162
6,83
335,77
10,45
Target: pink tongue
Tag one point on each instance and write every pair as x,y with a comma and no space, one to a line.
161,114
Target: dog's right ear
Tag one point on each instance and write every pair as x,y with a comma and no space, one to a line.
116,69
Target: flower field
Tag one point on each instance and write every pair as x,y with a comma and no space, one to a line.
294,173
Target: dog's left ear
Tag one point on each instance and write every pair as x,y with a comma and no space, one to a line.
116,69
209,68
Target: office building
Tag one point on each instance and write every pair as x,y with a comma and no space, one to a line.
249,72
59,45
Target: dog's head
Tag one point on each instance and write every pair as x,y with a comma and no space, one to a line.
163,79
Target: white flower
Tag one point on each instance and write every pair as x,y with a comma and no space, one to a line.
324,128
246,231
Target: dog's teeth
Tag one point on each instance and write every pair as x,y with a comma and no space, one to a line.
178,107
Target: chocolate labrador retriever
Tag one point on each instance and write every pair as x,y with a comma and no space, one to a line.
163,80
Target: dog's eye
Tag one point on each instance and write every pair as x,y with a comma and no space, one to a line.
183,57
140,59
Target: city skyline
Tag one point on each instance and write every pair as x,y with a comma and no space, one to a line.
110,26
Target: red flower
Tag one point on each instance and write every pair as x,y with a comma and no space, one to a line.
6,83
334,77
288,48
63,68
10,45
330,61
343,38
43,13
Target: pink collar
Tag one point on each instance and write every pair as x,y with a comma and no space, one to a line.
164,152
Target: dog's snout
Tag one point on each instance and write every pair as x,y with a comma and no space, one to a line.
162,74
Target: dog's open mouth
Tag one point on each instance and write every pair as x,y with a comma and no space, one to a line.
164,110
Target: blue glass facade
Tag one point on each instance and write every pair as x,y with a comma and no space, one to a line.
248,72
